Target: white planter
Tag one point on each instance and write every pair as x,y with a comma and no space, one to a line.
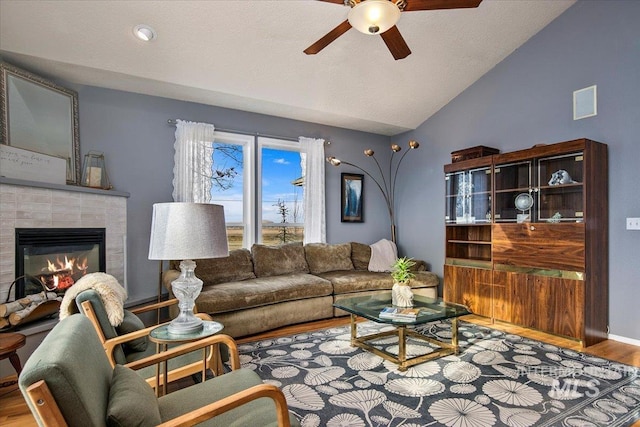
401,295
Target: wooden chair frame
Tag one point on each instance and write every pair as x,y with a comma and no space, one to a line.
212,360
49,412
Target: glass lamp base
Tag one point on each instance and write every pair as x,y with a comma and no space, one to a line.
185,327
186,288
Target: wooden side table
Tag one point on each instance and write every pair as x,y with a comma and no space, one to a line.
162,337
10,342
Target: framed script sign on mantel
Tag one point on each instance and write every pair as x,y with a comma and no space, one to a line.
40,116
31,166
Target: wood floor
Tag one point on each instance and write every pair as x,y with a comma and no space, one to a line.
15,413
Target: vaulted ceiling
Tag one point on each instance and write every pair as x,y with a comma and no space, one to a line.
248,55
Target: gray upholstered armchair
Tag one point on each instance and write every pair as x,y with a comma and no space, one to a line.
68,380
128,342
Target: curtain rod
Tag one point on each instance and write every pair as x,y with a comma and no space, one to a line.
173,122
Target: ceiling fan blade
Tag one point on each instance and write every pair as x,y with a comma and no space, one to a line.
396,44
413,5
328,38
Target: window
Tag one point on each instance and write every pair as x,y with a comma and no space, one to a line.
266,210
280,192
231,186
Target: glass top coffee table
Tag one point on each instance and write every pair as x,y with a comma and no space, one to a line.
430,310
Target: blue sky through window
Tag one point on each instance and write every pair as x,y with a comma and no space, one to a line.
279,169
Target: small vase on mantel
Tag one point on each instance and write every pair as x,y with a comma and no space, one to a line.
401,293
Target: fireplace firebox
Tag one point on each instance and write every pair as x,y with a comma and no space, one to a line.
53,259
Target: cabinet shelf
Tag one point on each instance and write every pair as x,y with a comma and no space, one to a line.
513,190
454,222
470,262
470,242
576,185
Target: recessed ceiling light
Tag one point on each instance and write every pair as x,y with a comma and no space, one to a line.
144,32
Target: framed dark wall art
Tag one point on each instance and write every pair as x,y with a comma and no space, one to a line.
352,190
39,116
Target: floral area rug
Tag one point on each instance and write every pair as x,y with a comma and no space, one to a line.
496,379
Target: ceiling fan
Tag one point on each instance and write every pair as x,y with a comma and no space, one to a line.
380,17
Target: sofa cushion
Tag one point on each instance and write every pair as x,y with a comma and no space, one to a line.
261,291
131,400
360,255
276,260
322,257
345,282
237,266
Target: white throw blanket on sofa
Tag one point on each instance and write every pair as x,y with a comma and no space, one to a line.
383,254
110,290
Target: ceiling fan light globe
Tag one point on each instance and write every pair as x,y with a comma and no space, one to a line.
374,16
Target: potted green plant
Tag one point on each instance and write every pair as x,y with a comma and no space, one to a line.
401,294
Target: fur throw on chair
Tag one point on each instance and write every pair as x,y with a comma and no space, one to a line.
113,296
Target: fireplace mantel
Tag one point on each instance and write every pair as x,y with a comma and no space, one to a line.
78,188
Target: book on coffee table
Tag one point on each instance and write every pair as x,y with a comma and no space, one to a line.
396,313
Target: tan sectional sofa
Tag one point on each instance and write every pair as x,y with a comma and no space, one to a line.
273,286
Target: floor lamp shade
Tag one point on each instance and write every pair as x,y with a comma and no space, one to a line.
187,231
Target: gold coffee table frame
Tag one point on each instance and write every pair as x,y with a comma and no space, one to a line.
431,309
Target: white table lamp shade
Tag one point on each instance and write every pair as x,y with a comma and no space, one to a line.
181,231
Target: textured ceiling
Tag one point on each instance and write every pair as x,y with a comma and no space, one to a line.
248,55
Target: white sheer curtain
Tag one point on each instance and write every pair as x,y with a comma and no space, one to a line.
313,172
193,162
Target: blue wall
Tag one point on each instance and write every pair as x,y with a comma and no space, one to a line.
133,133
527,100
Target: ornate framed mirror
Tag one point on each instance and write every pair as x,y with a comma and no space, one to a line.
41,116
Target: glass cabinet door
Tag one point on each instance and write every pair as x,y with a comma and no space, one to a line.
560,192
468,196
513,186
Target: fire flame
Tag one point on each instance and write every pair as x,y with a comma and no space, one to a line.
65,272
62,265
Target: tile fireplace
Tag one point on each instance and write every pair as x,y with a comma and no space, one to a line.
53,259
42,206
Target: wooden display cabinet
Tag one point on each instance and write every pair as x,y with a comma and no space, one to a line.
542,264
468,234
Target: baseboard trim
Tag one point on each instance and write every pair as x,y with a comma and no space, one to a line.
624,340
